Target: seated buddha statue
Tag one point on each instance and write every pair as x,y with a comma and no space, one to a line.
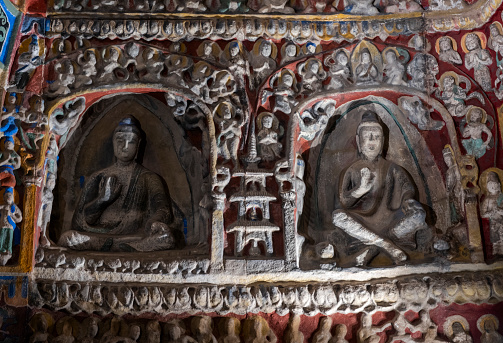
124,207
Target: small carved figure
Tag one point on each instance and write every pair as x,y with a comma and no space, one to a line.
235,58
110,57
363,212
9,161
176,64
153,331
191,5
44,215
66,335
320,6
446,51
368,333
478,59
498,91
112,335
403,6
11,107
229,329
313,75
340,334
338,64
323,335
491,208
454,187
263,63
35,123
230,122
268,6
222,86
459,334
312,124
202,328
65,78
134,335
366,72
289,52
233,6
393,67
87,63
10,214
292,333
269,148
27,63
423,70
39,326
153,65
361,7
114,211
90,330
175,333
310,48
476,126
209,51
256,330
454,96
284,91
488,324
496,39
418,114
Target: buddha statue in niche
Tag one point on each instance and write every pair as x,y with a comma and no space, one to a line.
377,199
124,207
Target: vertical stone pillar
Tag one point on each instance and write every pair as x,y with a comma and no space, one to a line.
290,234
217,232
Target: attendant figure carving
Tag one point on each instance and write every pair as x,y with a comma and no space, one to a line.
458,334
338,64
366,71
65,78
9,161
394,68
235,58
447,52
340,334
90,328
292,333
478,59
202,328
153,65
280,6
313,75
230,122
87,64
269,149
496,40
176,64
44,215
229,330
377,199
403,6
263,63
475,127
361,7
423,70
10,214
488,324
284,91
209,51
368,333
256,330
27,63
491,208
418,114
111,57
289,53
233,6
124,206
454,96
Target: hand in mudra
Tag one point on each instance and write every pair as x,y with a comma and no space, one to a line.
110,189
367,180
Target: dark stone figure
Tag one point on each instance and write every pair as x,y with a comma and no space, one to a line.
124,206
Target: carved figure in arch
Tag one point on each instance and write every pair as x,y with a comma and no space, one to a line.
478,59
340,334
124,206
27,63
209,51
153,65
202,328
230,121
447,50
269,148
10,214
454,96
491,208
488,324
292,333
323,335
289,53
131,56
457,330
377,198
44,215
177,64
284,91
312,123
496,39
498,91
366,72
418,114
423,70
34,125
403,6
340,74
256,330
65,78
223,86
454,187
111,63
229,329
313,75
360,7
263,61
235,58
87,65
367,332
394,67
200,75
476,126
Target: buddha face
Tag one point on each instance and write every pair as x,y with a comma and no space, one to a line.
370,142
472,42
126,146
445,44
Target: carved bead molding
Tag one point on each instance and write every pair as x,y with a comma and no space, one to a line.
413,293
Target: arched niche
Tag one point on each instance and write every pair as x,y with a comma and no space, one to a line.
337,150
181,159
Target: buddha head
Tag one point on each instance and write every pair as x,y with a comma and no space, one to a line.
126,139
370,136
365,56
